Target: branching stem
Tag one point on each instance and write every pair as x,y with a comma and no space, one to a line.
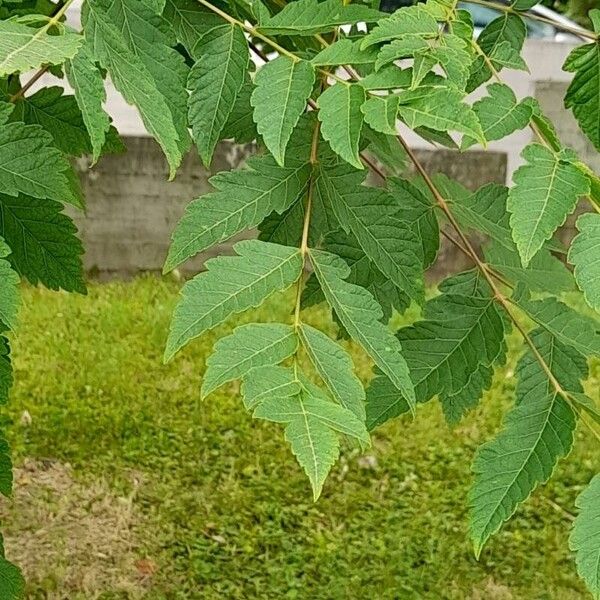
54,20
578,31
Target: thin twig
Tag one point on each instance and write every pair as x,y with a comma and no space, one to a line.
54,20
578,31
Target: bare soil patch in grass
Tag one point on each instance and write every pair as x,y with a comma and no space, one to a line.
73,539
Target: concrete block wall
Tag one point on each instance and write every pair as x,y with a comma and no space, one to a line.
132,209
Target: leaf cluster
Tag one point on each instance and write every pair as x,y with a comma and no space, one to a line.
323,89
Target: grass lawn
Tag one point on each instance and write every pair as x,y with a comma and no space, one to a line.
129,487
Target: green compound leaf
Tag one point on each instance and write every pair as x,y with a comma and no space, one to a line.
584,254
45,248
283,87
60,116
504,55
214,83
249,346
413,20
190,21
344,52
419,213
583,94
86,80
342,120
566,324
536,434
585,537
360,315
335,367
372,216
381,113
441,109
508,28
485,211
264,383
23,48
404,46
242,200
307,17
134,45
452,352
231,285
500,114
30,164
546,191
365,274
9,291
544,273
313,425
241,126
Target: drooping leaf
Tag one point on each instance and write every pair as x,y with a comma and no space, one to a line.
249,346
381,113
23,48
584,254
546,191
419,213
30,163
88,85
44,246
500,114
241,126
455,347
190,20
9,292
536,434
264,383
312,428
365,274
242,200
360,314
388,78
214,82
583,94
335,367
282,90
440,109
134,45
60,116
585,536
544,273
342,120
307,17
566,324
344,52
413,20
387,149
371,215
404,46
505,56
231,285
506,28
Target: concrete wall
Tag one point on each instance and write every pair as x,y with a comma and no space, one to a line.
132,209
